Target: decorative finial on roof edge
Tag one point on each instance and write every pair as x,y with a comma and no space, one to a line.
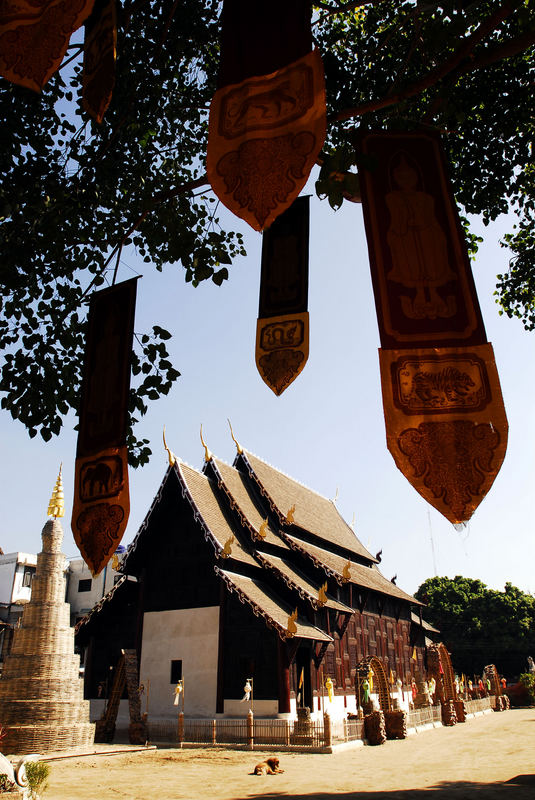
227,549
322,596
171,456
239,448
291,627
56,506
335,498
262,531
207,454
346,572
352,526
290,515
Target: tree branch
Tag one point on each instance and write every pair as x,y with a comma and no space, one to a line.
464,51
341,7
505,50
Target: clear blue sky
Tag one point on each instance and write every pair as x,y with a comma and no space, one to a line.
326,430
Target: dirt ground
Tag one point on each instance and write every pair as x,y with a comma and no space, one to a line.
487,758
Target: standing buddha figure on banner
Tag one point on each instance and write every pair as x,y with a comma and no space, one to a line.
417,245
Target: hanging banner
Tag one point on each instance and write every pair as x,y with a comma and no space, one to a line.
446,426
445,419
34,35
282,326
101,499
100,51
268,116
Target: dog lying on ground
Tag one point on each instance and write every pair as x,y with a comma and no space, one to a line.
268,767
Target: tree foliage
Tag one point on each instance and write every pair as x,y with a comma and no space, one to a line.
74,195
479,625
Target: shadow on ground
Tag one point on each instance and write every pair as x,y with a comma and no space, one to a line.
521,787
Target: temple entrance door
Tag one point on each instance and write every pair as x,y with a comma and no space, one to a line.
303,695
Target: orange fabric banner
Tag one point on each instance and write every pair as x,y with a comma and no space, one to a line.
100,51
446,426
281,349
265,134
445,420
424,289
34,35
101,498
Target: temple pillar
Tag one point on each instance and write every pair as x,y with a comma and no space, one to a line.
283,664
220,696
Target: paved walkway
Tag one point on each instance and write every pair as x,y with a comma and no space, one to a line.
490,757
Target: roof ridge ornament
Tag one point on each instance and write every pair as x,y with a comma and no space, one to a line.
207,454
227,549
290,515
56,506
291,627
346,572
239,448
352,525
335,498
322,596
262,531
171,456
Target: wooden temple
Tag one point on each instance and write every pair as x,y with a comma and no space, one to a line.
241,572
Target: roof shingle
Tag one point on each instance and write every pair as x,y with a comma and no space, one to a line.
367,577
274,610
237,488
297,581
202,494
313,513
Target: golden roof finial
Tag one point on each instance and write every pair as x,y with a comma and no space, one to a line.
290,515
352,526
262,531
56,506
170,454
322,596
291,627
227,549
207,454
346,572
239,448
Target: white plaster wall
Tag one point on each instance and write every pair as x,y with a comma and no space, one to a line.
337,709
7,568
261,708
192,635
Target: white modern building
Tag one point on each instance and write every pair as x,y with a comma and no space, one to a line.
16,572
84,591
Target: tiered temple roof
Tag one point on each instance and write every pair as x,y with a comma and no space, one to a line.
289,582
273,538
313,515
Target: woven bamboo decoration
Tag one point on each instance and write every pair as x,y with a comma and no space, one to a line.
41,693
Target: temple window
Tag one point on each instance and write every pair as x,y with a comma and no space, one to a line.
176,670
29,572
